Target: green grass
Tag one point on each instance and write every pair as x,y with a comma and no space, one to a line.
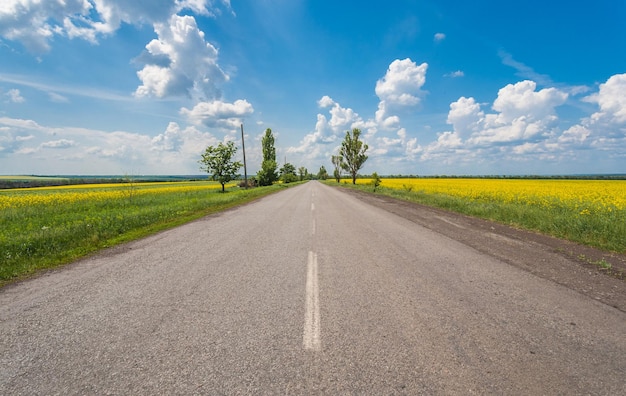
36,237
607,232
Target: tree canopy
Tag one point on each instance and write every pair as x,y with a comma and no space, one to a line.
288,173
322,174
267,174
352,152
337,160
218,163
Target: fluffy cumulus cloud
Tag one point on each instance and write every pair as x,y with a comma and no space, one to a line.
520,126
398,89
522,113
321,142
524,127
218,114
524,120
611,98
34,22
180,62
52,150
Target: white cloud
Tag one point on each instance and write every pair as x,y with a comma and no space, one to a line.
455,74
87,151
53,90
521,99
398,89
439,37
577,134
342,118
326,101
58,144
15,96
523,127
402,83
34,22
465,116
522,113
180,62
519,132
55,97
322,142
611,98
524,70
218,114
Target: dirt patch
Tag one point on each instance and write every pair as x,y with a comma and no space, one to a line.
569,264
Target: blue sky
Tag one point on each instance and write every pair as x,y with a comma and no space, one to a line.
437,87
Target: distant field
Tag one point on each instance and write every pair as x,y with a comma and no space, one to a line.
29,178
25,181
592,212
45,226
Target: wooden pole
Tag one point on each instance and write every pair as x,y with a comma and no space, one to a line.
245,170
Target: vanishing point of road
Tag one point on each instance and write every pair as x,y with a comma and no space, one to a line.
307,291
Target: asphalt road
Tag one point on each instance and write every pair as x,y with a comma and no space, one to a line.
308,291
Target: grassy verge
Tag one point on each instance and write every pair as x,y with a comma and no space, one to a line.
44,228
606,231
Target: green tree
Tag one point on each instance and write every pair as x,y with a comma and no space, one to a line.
322,174
337,160
353,153
218,163
375,181
288,173
303,173
267,174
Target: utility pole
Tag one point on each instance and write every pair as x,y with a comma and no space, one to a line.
245,170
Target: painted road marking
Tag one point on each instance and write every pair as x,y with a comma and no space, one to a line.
311,338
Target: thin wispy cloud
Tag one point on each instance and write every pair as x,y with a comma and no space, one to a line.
523,70
54,90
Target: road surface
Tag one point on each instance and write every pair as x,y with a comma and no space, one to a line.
307,291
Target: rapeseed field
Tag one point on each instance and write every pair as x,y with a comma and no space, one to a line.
591,212
45,226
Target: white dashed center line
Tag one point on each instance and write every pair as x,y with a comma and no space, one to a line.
311,338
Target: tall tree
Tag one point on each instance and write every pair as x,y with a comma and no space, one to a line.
322,174
337,160
267,174
218,163
353,153
303,172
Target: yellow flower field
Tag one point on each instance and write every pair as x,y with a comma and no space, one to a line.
43,227
70,194
591,212
581,196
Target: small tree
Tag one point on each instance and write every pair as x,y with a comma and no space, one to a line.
337,160
375,181
267,174
218,163
288,173
353,153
